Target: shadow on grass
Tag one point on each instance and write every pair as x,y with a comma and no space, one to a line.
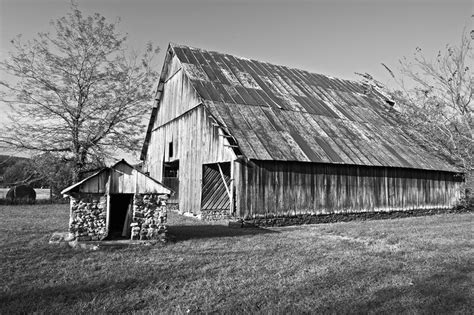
64,295
445,292
187,232
441,293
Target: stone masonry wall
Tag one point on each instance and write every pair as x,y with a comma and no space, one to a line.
343,217
469,186
215,215
149,217
88,217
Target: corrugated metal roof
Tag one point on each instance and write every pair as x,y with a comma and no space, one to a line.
279,113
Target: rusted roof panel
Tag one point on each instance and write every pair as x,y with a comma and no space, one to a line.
279,113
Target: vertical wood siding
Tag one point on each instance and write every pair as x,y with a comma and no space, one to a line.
196,142
178,96
288,188
173,184
182,120
121,179
127,180
95,185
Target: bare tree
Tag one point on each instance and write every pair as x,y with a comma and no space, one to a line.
77,91
435,97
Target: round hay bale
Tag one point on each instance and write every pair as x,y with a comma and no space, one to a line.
21,194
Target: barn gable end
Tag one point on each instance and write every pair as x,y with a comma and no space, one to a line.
182,136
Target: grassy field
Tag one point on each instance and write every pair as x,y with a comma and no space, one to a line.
415,265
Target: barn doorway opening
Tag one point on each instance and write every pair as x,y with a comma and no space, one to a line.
171,180
120,216
216,188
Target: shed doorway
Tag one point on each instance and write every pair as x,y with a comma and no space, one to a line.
120,216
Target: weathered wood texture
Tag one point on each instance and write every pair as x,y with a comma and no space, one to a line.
285,114
127,180
195,141
173,184
178,95
216,192
278,116
96,184
267,188
119,179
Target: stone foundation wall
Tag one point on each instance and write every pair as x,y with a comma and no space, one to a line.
172,206
215,215
344,217
89,214
88,217
149,217
469,186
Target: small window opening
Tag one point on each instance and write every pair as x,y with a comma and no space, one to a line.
170,149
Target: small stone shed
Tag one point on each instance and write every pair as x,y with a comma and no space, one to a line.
118,202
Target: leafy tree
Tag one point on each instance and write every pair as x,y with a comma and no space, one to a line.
43,170
436,97
20,172
53,171
6,161
77,91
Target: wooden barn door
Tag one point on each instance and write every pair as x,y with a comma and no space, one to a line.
216,192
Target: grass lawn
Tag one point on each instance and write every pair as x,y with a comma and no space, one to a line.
412,265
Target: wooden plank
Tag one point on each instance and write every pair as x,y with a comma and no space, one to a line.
224,180
307,187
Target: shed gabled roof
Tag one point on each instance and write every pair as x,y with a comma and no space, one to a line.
279,113
119,178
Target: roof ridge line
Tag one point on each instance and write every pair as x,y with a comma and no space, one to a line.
172,44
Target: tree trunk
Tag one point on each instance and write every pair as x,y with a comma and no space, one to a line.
80,160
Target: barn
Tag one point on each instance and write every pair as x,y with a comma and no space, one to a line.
241,138
117,202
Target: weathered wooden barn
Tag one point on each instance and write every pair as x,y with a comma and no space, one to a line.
117,201
244,138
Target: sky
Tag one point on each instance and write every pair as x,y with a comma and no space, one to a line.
336,38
